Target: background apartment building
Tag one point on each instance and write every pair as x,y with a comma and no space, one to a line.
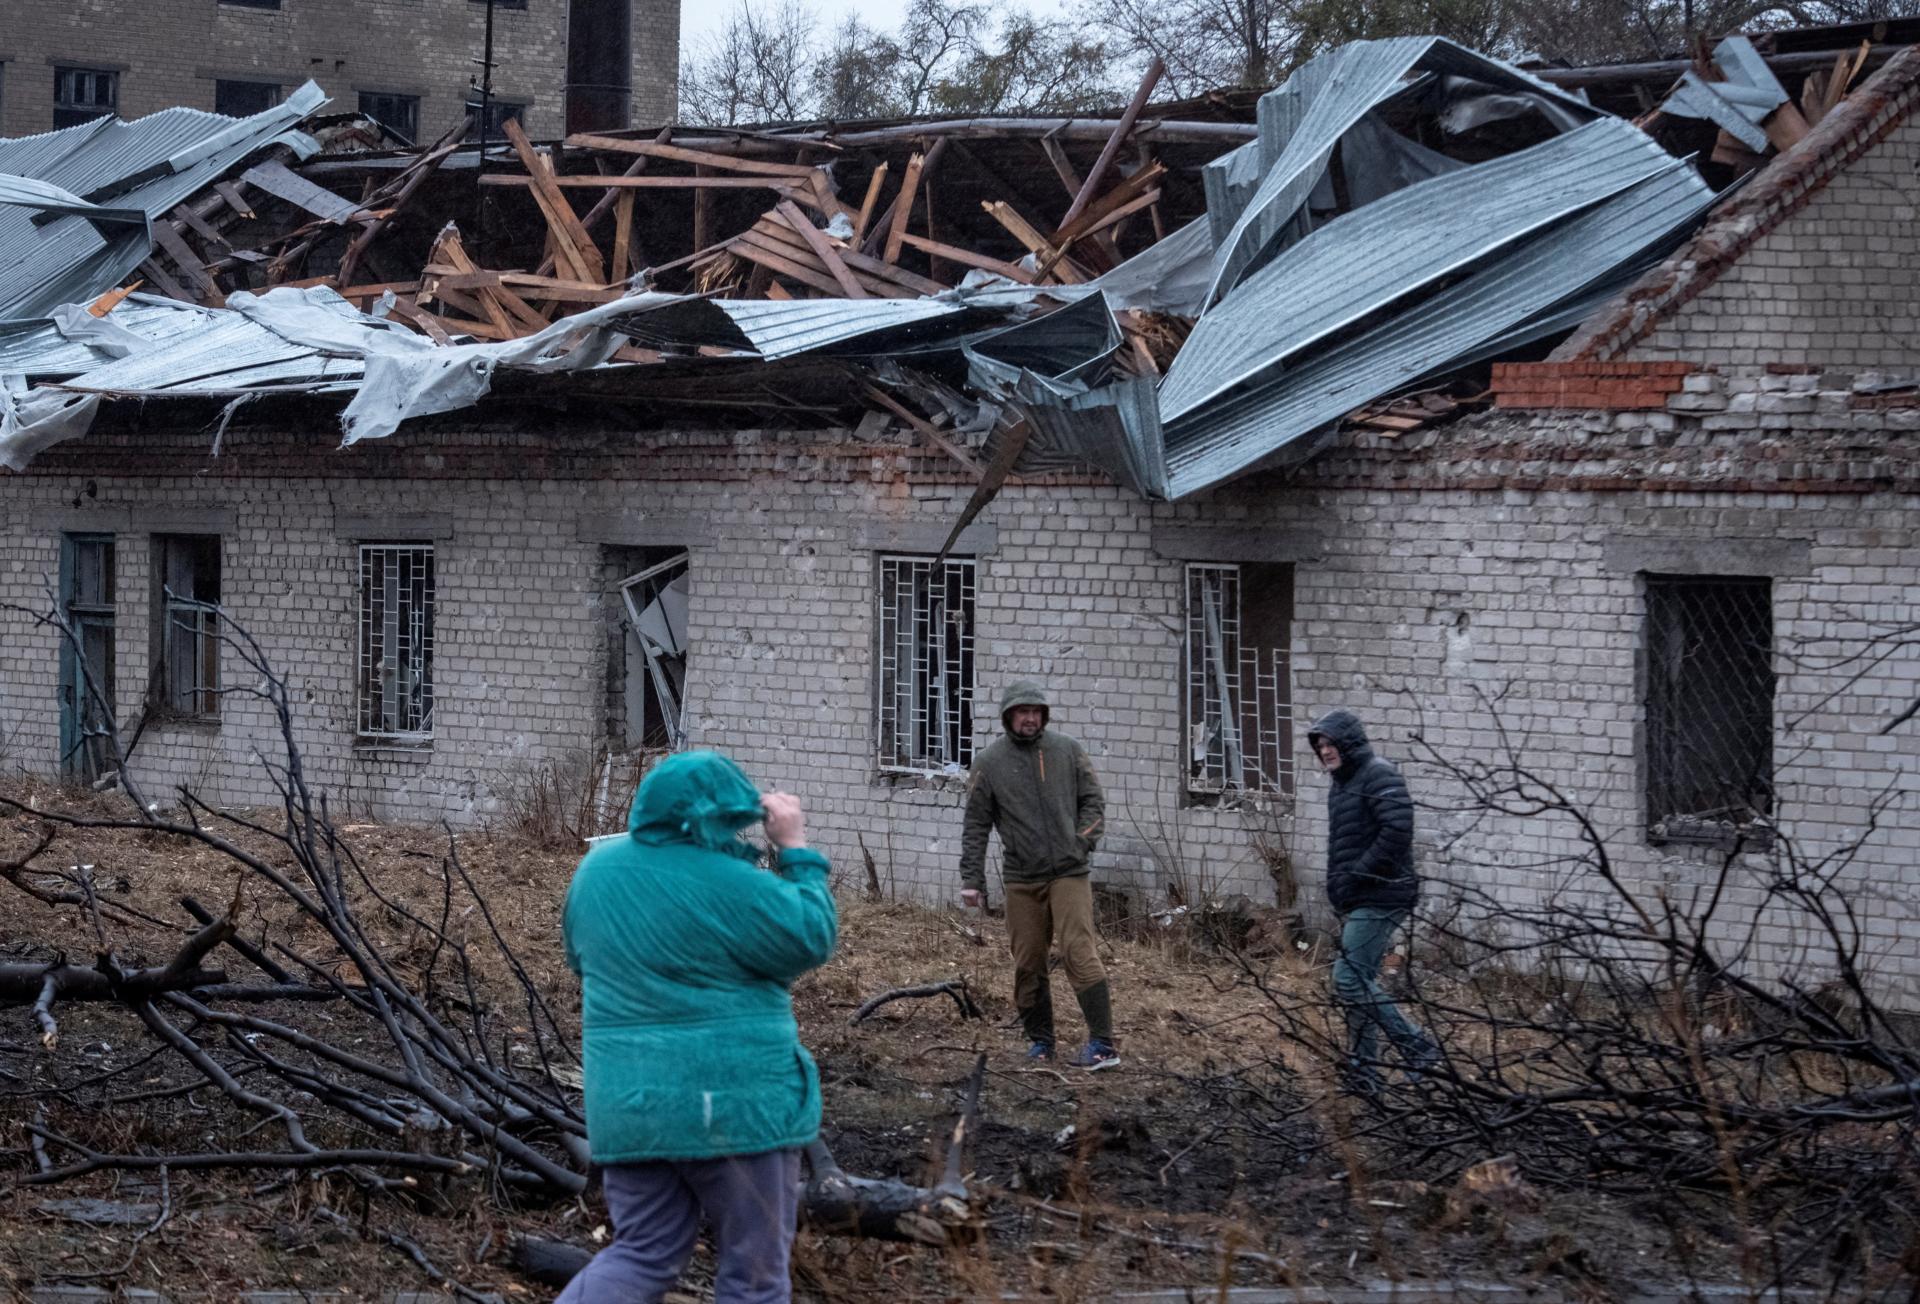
559,64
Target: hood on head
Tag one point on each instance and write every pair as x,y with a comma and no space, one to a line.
1343,729
696,797
1023,693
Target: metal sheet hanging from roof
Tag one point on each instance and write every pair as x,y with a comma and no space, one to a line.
1364,261
1303,119
1224,440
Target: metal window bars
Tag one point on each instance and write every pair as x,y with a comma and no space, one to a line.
925,660
191,657
1710,695
396,641
1239,698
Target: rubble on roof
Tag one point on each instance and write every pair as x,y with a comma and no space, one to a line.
1174,296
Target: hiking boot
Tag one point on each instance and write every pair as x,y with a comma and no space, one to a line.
1040,1052
1097,1055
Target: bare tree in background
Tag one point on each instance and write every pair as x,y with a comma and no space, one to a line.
758,69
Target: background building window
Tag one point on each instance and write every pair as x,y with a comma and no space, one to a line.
498,111
396,641
83,94
253,4
925,661
399,114
1710,688
1238,700
185,633
243,99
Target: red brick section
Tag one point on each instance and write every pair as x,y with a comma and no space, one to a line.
1574,386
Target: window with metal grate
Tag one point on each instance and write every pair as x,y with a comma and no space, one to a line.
924,682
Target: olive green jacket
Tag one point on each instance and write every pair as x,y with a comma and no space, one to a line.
1044,799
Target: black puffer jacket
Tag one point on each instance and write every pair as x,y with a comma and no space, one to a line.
1369,822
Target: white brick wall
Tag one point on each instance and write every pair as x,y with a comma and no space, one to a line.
1416,605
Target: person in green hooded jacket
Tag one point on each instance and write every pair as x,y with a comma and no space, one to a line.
1037,787
699,1095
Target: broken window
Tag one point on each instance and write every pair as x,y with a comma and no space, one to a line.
649,688
399,114
243,99
185,642
1710,687
396,641
498,111
83,94
87,698
1238,700
925,660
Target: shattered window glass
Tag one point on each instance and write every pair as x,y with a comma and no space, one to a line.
925,658
1238,699
396,641
655,601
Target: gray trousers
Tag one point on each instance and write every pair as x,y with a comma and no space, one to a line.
1369,1011
749,1200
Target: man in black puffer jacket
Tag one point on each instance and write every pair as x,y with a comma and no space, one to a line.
1371,883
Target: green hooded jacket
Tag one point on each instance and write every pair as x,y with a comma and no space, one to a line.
1041,794
685,949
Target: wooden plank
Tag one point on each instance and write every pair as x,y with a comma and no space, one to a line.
1121,130
621,267
1062,165
154,272
651,181
375,291
699,157
868,204
903,208
576,247
1785,127
702,213
777,260
822,248
872,268
968,258
188,262
235,200
1022,230
448,248
775,290
1091,219
279,181
428,324
926,428
1118,215
202,228
107,302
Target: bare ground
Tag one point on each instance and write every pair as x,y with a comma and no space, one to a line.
1195,1165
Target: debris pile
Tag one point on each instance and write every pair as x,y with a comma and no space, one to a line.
1174,296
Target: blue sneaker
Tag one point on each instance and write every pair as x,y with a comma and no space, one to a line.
1040,1051
1097,1055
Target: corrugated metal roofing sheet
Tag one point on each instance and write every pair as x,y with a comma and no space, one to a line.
782,329
151,164
39,348
1224,440
1362,262
1303,119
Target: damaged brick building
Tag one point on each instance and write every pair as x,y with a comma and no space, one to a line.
1672,566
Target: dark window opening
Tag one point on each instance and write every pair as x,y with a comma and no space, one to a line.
252,4
498,111
1238,690
185,639
83,94
1710,685
87,698
399,114
243,99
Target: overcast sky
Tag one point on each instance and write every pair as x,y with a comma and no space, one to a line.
701,17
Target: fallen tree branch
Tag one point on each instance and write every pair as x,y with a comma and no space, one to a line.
954,987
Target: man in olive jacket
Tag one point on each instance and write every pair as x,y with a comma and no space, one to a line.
1372,884
1038,788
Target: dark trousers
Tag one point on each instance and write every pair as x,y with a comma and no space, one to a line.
1369,1011
750,1201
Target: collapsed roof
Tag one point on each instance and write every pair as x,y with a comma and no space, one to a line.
1215,294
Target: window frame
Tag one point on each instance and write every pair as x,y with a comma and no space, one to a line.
275,93
75,112
165,608
502,108
1665,745
957,723
1271,710
373,712
409,131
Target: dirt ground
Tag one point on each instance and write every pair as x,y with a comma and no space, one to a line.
1195,1165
